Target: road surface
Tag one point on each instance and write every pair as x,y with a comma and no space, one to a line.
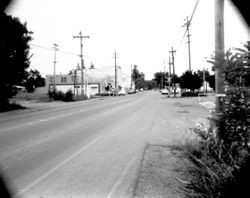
90,148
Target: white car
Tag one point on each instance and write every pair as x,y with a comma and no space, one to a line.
164,91
122,92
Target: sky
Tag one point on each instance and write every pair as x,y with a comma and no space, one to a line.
142,33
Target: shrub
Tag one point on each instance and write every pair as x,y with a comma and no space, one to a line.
68,96
215,160
59,95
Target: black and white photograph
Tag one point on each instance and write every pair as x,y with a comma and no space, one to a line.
124,99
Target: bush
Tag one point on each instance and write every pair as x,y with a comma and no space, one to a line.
68,96
234,123
59,95
215,160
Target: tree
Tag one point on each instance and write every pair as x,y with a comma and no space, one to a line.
138,78
237,62
190,80
200,73
161,79
32,80
14,50
211,81
150,84
92,66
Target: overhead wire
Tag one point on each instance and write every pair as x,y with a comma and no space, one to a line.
192,15
51,49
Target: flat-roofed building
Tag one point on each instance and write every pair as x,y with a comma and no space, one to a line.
95,80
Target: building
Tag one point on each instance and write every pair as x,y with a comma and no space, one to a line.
95,81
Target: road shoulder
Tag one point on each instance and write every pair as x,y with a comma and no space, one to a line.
160,174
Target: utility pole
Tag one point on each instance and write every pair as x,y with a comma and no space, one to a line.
169,76
55,49
164,74
169,64
187,24
131,76
81,57
219,56
172,51
115,72
204,81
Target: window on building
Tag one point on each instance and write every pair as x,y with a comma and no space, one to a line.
63,79
72,78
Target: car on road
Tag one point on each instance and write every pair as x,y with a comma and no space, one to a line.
131,91
121,92
164,91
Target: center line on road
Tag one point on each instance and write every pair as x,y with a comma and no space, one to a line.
51,171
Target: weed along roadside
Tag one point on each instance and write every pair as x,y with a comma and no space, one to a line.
203,165
207,165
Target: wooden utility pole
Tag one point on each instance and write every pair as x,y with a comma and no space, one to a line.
172,51
187,24
81,57
169,76
115,72
131,76
54,82
219,56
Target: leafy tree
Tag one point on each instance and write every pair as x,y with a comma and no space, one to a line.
161,79
150,84
211,81
92,66
190,80
32,80
237,62
135,73
200,73
138,78
14,50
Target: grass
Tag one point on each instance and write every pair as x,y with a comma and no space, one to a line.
211,171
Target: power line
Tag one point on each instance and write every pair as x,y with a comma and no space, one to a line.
59,51
192,15
195,7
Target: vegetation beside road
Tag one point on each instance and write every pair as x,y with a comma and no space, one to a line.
219,159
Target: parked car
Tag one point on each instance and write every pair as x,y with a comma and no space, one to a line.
164,91
131,91
121,92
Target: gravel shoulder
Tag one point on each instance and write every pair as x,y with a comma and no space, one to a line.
161,173
162,168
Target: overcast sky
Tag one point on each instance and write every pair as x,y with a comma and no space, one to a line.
141,31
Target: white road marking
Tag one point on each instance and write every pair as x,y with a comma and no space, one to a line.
51,171
121,178
38,121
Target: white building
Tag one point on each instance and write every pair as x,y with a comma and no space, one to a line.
95,80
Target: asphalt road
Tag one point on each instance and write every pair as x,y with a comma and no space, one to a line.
90,148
